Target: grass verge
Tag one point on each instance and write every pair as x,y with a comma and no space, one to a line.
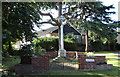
111,58
8,64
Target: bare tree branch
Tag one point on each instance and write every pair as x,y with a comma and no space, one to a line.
48,23
48,14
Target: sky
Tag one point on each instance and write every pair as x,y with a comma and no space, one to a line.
105,2
115,4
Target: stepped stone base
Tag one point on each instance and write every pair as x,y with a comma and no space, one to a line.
62,53
93,63
104,67
63,63
23,69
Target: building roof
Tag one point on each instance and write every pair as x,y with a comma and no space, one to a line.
46,31
66,29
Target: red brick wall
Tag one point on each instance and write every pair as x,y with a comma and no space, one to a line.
82,62
68,54
84,65
72,54
79,53
100,59
51,54
40,64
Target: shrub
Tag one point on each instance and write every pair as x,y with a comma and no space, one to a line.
69,46
100,46
51,44
118,46
25,54
47,43
96,45
39,52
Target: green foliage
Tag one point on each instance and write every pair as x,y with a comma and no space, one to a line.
111,59
70,37
96,45
26,50
48,43
25,53
51,44
103,32
70,45
39,52
8,65
92,16
100,46
18,20
10,62
17,23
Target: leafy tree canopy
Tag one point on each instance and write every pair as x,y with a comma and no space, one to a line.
18,18
92,16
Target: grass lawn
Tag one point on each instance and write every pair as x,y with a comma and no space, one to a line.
8,63
111,59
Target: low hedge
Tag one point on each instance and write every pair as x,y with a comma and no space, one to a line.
51,44
48,43
99,46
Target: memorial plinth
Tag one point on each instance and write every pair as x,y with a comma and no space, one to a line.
62,53
93,63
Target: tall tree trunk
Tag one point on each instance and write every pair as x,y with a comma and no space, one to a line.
81,38
10,49
10,46
118,37
86,49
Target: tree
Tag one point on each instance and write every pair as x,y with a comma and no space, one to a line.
91,16
18,22
18,19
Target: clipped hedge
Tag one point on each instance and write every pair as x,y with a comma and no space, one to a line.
51,44
48,43
100,46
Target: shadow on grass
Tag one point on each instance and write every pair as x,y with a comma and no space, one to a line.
114,59
76,73
68,73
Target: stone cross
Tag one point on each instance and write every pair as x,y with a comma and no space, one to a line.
62,51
